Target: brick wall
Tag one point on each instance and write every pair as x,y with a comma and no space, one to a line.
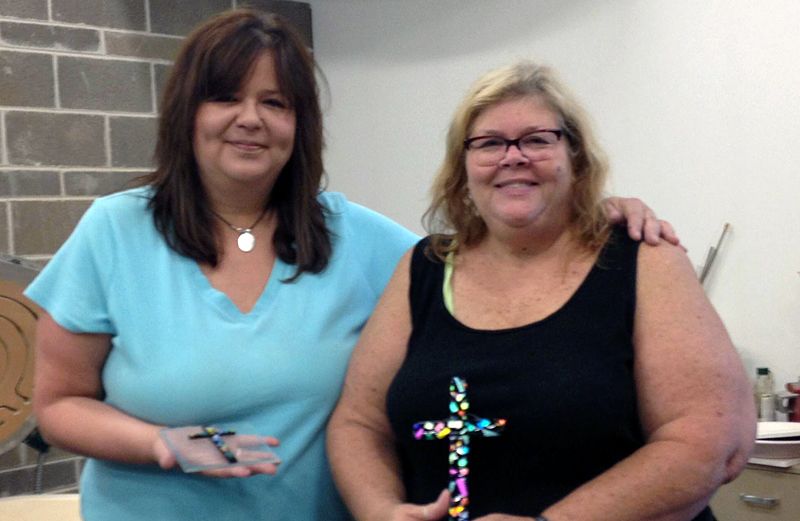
79,88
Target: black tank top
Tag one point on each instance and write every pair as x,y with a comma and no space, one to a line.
564,384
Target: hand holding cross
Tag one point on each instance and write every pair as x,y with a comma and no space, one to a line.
458,428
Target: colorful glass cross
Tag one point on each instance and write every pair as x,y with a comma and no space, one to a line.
216,438
458,428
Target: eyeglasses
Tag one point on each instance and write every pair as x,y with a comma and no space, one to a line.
489,150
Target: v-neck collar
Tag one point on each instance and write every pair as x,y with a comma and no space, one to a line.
223,303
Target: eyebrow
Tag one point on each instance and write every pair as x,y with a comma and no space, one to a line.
271,91
525,131
260,92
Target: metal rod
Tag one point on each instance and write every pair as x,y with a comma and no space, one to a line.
712,254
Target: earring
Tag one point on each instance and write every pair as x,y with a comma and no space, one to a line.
470,204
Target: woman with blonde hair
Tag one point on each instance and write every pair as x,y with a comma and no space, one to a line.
588,375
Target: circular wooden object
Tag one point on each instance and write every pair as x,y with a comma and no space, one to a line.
18,316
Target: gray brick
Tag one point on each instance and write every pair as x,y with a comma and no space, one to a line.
60,474
3,158
37,138
90,83
49,37
142,45
22,183
121,14
4,243
41,227
21,454
162,73
26,80
298,13
132,141
98,183
36,9
56,475
181,16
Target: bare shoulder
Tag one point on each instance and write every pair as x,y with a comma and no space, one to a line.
665,271
396,290
663,258
402,271
670,302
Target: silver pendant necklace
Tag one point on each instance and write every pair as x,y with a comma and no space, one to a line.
246,240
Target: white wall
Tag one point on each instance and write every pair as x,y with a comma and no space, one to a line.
696,102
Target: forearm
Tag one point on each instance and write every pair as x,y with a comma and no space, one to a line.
67,398
92,428
365,469
662,481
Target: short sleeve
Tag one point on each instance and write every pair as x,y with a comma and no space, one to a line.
73,287
376,242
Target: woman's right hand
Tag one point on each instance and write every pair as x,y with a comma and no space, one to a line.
429,512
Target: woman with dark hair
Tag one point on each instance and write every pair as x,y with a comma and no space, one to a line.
227,291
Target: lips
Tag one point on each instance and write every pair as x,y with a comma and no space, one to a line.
246,145
516,183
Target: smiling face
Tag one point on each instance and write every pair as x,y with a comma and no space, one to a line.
519,192
244,139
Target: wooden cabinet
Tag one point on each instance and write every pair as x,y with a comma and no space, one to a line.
760,493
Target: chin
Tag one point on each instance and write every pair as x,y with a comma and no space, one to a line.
521,218
251,173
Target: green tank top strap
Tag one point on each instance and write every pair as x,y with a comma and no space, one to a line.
447,286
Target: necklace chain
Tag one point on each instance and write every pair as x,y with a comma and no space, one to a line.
246,240
239,229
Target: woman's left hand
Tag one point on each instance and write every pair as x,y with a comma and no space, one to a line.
166,459
640,219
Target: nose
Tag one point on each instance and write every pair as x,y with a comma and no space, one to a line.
248,116
514,156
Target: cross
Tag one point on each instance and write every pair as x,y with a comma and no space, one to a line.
216,438
458,428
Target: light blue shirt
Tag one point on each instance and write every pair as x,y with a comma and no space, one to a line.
183,354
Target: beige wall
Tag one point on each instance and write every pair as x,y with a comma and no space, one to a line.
695,102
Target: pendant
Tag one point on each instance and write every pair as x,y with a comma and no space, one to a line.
246,241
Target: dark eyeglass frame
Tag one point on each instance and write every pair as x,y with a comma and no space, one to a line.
515,142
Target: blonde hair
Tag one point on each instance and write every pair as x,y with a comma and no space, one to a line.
451,218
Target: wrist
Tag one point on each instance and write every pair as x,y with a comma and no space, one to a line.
160,453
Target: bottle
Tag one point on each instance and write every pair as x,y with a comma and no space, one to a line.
765,395
794,387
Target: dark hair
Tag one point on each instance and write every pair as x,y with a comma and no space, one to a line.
215,58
